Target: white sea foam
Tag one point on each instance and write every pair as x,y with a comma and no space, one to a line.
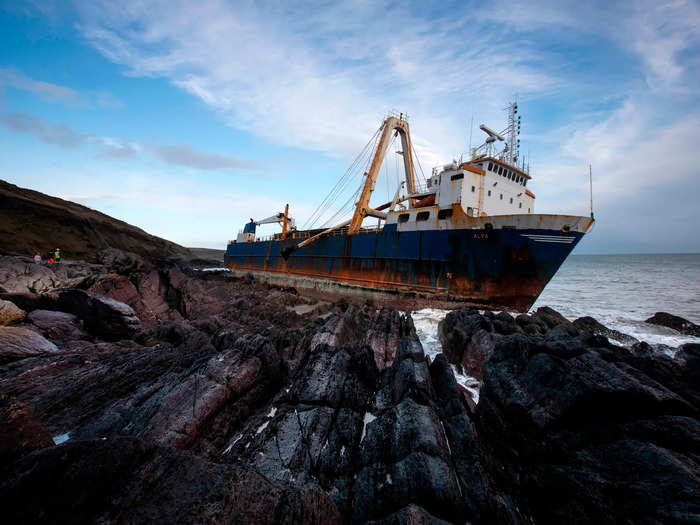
619,291
61,438
367,420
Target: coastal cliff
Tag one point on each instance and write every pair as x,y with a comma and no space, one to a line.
139,390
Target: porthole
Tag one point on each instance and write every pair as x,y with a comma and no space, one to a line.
445,214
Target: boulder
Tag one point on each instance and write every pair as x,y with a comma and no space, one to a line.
122,262
19,342
478,350
58,326
551,318
103,317
22,275
456,330
675,322
9,313
589,325
580,431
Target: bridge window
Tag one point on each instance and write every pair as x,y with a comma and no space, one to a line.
501,196
457,176
422,216
511,200
500,170
490,166
489,193
403,217
473,189
445,214
521,205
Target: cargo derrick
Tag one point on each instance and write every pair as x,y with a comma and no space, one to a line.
469,235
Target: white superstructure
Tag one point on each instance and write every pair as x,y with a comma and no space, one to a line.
487,186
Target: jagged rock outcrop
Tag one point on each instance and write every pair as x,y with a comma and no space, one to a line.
130,481
228,405
589,325
677,323
577,430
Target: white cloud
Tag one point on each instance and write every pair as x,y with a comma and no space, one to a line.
321,76
175,154
52,92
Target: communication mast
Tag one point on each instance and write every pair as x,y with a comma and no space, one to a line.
511,151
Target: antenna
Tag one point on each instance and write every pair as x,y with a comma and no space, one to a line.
590,182
471,129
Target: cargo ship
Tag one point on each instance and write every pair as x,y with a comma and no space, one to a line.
466,235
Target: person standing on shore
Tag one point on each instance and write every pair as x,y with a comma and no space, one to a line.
57,255
37,258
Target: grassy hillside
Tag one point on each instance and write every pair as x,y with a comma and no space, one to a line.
31,221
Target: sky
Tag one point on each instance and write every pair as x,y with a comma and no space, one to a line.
188,118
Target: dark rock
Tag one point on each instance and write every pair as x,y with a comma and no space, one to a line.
103,317
456,330
675,322
479,349
129,481
580,434
120,261
21,432
550,317
30,301
530,325
589,325
59,327
504,324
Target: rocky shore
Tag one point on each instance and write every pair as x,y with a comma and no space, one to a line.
147,390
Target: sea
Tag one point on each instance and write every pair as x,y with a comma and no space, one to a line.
620,291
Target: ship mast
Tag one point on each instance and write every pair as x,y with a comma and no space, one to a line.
362,209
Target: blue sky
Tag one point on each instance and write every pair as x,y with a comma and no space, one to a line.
186,118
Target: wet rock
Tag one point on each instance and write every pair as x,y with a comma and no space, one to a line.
59,327
551,318
479,349
103,317
18,343
679,324
531,325
129,481
504,324
21,431
456,330
565,422
9,313
589,325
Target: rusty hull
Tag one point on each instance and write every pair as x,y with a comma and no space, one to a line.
494,264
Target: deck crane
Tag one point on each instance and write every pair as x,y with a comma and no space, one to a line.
287,223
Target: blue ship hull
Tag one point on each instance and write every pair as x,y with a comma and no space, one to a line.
495,268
